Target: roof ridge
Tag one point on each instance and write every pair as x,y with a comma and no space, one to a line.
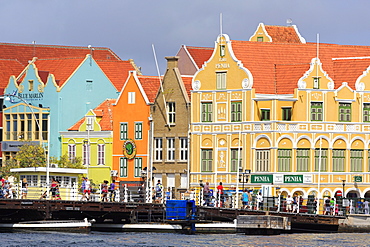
60,58
200,47
55,46
277,26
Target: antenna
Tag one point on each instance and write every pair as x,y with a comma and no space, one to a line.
91,53
34,48
289,22
317,54
221,23
161,86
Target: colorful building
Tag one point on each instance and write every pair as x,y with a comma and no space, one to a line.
92,139
15,57
57,92
132,130
293,114
171,118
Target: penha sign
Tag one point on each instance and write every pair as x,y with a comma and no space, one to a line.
262,179
281,179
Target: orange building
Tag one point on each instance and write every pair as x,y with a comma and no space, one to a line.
131,130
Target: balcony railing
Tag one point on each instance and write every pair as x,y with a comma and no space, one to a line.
25,135
288,126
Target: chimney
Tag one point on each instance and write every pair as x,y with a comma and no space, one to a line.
172,62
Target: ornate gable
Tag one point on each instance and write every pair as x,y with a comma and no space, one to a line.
261,34
345,93
223,70
363,81
315,77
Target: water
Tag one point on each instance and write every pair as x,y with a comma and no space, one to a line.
101,239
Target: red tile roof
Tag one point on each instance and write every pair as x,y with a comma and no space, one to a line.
103,113
187,83
261,59
282,34
116,71
53,59
277,67
150,85
7,68
200,54
61,68
348,70
25,52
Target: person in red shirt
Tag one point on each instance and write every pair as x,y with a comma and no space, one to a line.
220,194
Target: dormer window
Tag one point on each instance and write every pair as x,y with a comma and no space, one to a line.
316,82
259,39
89,85
131,97
222,50
30,85
89,122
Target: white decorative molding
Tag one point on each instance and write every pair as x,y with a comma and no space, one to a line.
196,85
301,84
221,96
359,79
236,95
331,85
207,96
247,84
360,86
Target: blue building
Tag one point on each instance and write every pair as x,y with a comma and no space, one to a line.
54,93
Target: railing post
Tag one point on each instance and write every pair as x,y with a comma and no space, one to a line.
125,195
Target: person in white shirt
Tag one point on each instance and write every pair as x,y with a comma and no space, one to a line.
289,202
259,201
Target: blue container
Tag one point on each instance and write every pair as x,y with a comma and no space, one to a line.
180,209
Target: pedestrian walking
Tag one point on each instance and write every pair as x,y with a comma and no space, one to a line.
112,191
206,194
245,199
104,191
158,192
260,201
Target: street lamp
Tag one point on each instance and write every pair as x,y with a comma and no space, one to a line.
244,177
343,184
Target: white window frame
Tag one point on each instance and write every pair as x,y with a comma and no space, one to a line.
86,153
171,113
171,149
183,149
221,80
131,97
89,122
72,152
138,130
158,149
138,167
123,131
123,167
101,154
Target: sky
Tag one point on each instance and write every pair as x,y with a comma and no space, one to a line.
131,27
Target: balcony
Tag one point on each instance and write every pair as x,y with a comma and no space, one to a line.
284,126
24,135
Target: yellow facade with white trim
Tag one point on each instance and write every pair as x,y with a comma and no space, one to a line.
342,146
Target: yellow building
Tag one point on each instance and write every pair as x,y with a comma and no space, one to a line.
294,114
91,139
